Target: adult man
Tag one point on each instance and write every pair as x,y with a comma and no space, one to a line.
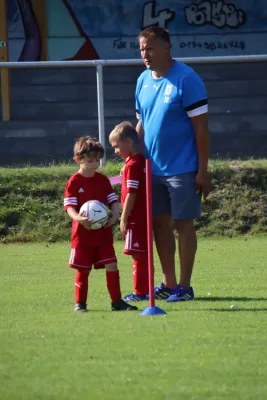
172,106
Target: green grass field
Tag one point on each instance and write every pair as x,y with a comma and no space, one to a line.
211,348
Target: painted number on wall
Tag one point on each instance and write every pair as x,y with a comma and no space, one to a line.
152,18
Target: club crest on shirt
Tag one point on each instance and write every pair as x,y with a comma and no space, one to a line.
168,89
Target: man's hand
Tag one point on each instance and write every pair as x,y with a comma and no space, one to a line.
203,184
123,225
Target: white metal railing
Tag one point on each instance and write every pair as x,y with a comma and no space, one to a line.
99,64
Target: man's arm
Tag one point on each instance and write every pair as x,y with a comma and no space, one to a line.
140,130
200,125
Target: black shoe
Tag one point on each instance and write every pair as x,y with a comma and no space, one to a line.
81,307
122,306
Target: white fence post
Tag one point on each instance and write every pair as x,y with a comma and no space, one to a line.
100,108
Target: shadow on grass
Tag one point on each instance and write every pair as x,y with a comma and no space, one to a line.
211,298
98,310
238,309
234,309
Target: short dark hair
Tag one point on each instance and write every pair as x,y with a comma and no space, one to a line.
157,32
88,146
124,130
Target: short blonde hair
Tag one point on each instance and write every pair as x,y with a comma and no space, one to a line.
88,146
122,131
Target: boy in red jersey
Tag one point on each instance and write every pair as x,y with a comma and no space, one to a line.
124,140
92,247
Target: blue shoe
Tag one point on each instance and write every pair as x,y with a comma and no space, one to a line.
181,294
162,292
135,297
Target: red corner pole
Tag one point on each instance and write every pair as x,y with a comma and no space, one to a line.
150,233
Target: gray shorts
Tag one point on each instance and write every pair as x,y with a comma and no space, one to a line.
176,195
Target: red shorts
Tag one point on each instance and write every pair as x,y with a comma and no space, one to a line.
135,239
90,257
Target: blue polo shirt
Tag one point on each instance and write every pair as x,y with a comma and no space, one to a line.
165,106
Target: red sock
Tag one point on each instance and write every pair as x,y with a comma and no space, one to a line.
140,275
81,286
113,285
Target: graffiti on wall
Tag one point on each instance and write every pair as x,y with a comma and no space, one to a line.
87,50
152,17
25,42
218,14
85,29
24,39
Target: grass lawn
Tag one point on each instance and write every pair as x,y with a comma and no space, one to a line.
211,348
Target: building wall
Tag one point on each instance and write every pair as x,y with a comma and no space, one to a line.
51,107
79,29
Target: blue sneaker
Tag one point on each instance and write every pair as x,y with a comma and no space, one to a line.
135,297
181,294
162,292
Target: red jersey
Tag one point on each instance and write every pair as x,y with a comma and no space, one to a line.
134,181
80,189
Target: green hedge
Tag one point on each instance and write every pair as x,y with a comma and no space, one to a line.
31,201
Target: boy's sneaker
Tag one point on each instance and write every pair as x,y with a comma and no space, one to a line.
135,297
81,307
122,306
181,294
162,292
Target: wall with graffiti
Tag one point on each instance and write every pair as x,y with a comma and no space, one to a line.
25,28
86,29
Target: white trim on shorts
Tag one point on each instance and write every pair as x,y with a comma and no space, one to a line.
72,257
128,243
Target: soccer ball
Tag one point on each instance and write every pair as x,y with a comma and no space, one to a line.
95,211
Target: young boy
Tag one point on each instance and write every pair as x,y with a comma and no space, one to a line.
124,140
92,247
